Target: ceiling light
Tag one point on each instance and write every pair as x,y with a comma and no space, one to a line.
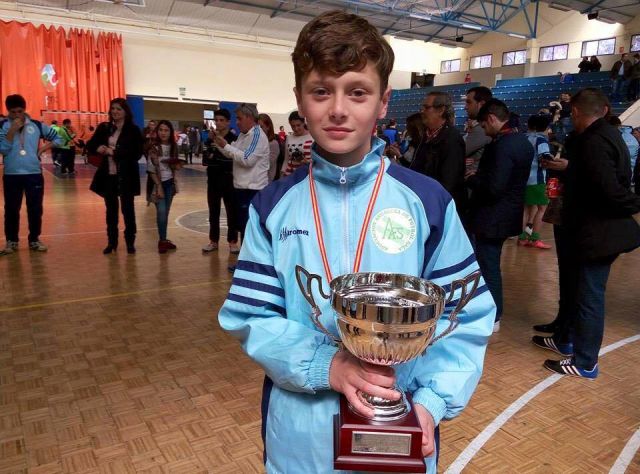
472,27
516,35
420,16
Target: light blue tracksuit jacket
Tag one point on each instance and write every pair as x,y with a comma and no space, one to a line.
414,230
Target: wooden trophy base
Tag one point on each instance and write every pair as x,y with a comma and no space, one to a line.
360,444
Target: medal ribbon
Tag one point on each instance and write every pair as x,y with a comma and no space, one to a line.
363,232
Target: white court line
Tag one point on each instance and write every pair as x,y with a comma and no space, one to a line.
479,441
627,454
223,222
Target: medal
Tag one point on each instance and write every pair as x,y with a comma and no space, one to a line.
23,152
365,224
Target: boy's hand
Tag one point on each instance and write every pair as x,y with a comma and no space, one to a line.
428,429
349,374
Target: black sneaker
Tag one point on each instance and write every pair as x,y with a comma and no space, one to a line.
568,367
549,344
549,328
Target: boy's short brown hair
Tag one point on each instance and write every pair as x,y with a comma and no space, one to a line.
337,42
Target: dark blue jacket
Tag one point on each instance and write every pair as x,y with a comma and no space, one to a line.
497,189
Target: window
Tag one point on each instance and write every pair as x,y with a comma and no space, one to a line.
635,43
452,65
512,58
480,62
599,47
554,53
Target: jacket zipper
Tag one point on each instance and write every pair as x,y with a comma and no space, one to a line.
345,216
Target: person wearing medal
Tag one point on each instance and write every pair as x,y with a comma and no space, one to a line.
349,210
20,144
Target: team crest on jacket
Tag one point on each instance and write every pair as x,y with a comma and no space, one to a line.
393,230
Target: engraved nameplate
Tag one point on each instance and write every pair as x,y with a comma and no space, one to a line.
381,443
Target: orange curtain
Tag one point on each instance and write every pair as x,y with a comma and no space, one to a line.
58,70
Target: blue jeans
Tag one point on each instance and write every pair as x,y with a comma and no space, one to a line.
587,326
163,206
32,187
488,253
618,87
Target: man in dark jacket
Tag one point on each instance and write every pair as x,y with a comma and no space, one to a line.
440,155
619,75
497,194
598,217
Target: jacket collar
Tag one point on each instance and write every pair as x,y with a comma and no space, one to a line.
362,172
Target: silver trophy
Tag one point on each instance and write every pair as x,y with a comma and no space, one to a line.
386,319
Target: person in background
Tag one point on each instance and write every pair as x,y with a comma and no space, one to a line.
194,143
391,132
627,136
535,198
117,179
561,111
67,150
619,75
600,213
634,79
20,145
585,65
163,165
282,135
266,124
595,64
474,138
183,143
220,185
441,153
150,130
413,137
496,204
250,154
297,148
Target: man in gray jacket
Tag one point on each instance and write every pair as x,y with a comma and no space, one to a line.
475,138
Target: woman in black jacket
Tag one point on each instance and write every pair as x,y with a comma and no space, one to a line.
119,143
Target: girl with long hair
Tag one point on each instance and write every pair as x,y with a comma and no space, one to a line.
162,165
266,124
117,180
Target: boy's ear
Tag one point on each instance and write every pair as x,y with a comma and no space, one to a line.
385,103
296,92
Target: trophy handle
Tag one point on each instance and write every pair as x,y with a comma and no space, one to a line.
465,296
307,292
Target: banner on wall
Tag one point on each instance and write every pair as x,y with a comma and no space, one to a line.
60,72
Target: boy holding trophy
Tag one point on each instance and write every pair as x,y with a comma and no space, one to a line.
349,211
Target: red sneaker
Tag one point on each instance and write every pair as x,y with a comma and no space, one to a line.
539,244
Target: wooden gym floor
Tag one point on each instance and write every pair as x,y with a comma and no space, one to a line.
116,364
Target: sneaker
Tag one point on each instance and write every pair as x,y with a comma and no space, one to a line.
38,246
550,327
170,245
234,248
568,367
548,343
496,327
11,247
539,244
210,247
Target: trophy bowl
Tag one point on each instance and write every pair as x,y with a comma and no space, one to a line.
386,318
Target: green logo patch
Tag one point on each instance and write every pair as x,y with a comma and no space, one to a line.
393,230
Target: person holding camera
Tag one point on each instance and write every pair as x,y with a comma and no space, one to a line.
220,184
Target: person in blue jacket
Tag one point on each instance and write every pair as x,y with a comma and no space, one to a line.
315,218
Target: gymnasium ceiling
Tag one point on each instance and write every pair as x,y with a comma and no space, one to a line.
440,21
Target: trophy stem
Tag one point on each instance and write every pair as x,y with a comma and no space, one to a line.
384,409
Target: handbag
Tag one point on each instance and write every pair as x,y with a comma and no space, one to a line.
95,160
